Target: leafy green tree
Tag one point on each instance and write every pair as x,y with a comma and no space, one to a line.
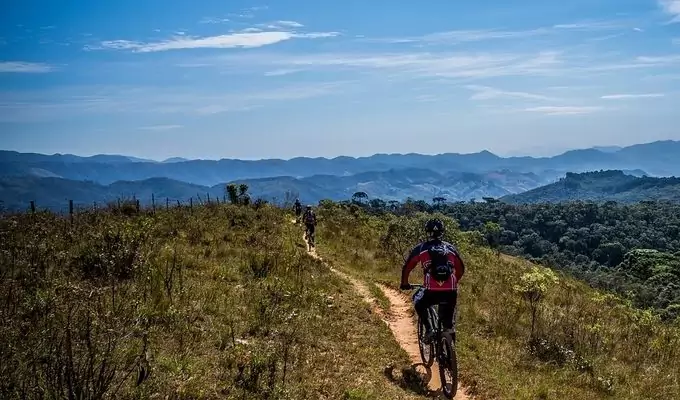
533,286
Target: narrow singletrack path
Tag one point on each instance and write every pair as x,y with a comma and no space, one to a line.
404,330
401,323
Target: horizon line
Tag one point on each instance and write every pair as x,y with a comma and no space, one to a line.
140,159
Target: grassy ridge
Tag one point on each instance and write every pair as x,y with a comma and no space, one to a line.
585,344
223,302
218,302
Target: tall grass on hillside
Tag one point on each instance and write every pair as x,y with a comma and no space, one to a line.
212,302
580,343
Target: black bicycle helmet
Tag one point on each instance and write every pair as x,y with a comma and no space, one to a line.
435,227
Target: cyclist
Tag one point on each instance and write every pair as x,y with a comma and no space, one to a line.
309,218
298,210
443,268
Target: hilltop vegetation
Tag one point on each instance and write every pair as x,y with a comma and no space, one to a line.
210,303
631,249
222,302
602,186
600,243
585,344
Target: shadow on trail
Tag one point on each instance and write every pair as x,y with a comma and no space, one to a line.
411,379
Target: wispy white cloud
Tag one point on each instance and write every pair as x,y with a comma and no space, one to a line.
632,96
234,40
461,36
45,105
488,93
408,65
25,67
281,72
671,7
245,15
662,77
213,20
592,25
476,35
659,60
161,127
292,24
564,110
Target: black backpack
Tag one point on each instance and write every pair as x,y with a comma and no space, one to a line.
441,267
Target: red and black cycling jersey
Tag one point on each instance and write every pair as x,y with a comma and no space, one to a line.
420,254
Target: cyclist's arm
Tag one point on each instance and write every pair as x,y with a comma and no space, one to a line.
409,264
459,267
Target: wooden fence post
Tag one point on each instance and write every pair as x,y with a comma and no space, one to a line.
208,198
33,206
153,203
70,210
191,203
167,203
137,204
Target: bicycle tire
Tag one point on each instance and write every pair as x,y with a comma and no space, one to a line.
426,357
448,361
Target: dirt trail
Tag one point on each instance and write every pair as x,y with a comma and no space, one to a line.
404,330
401,323
359,286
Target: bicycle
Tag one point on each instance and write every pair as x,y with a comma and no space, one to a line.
309,238
442,348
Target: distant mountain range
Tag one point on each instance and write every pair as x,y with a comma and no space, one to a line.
602,186
421,184
52,179
657,159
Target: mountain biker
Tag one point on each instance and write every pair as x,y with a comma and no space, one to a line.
298,209
309,218
443,268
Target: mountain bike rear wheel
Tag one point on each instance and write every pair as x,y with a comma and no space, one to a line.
448,366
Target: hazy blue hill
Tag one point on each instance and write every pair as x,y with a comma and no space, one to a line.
394,184
13,156
658,158
602,186
175,160
54,193
608,149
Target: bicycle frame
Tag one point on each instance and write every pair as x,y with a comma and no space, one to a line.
443,346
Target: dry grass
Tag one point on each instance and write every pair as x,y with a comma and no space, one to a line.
214,302
586,344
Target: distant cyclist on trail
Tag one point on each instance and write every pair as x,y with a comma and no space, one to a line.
309,218
443,269
298,210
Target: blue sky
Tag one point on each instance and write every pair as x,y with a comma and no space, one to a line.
237,79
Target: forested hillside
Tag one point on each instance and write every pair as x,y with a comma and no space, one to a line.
585,344
222,301
602,186
632,249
